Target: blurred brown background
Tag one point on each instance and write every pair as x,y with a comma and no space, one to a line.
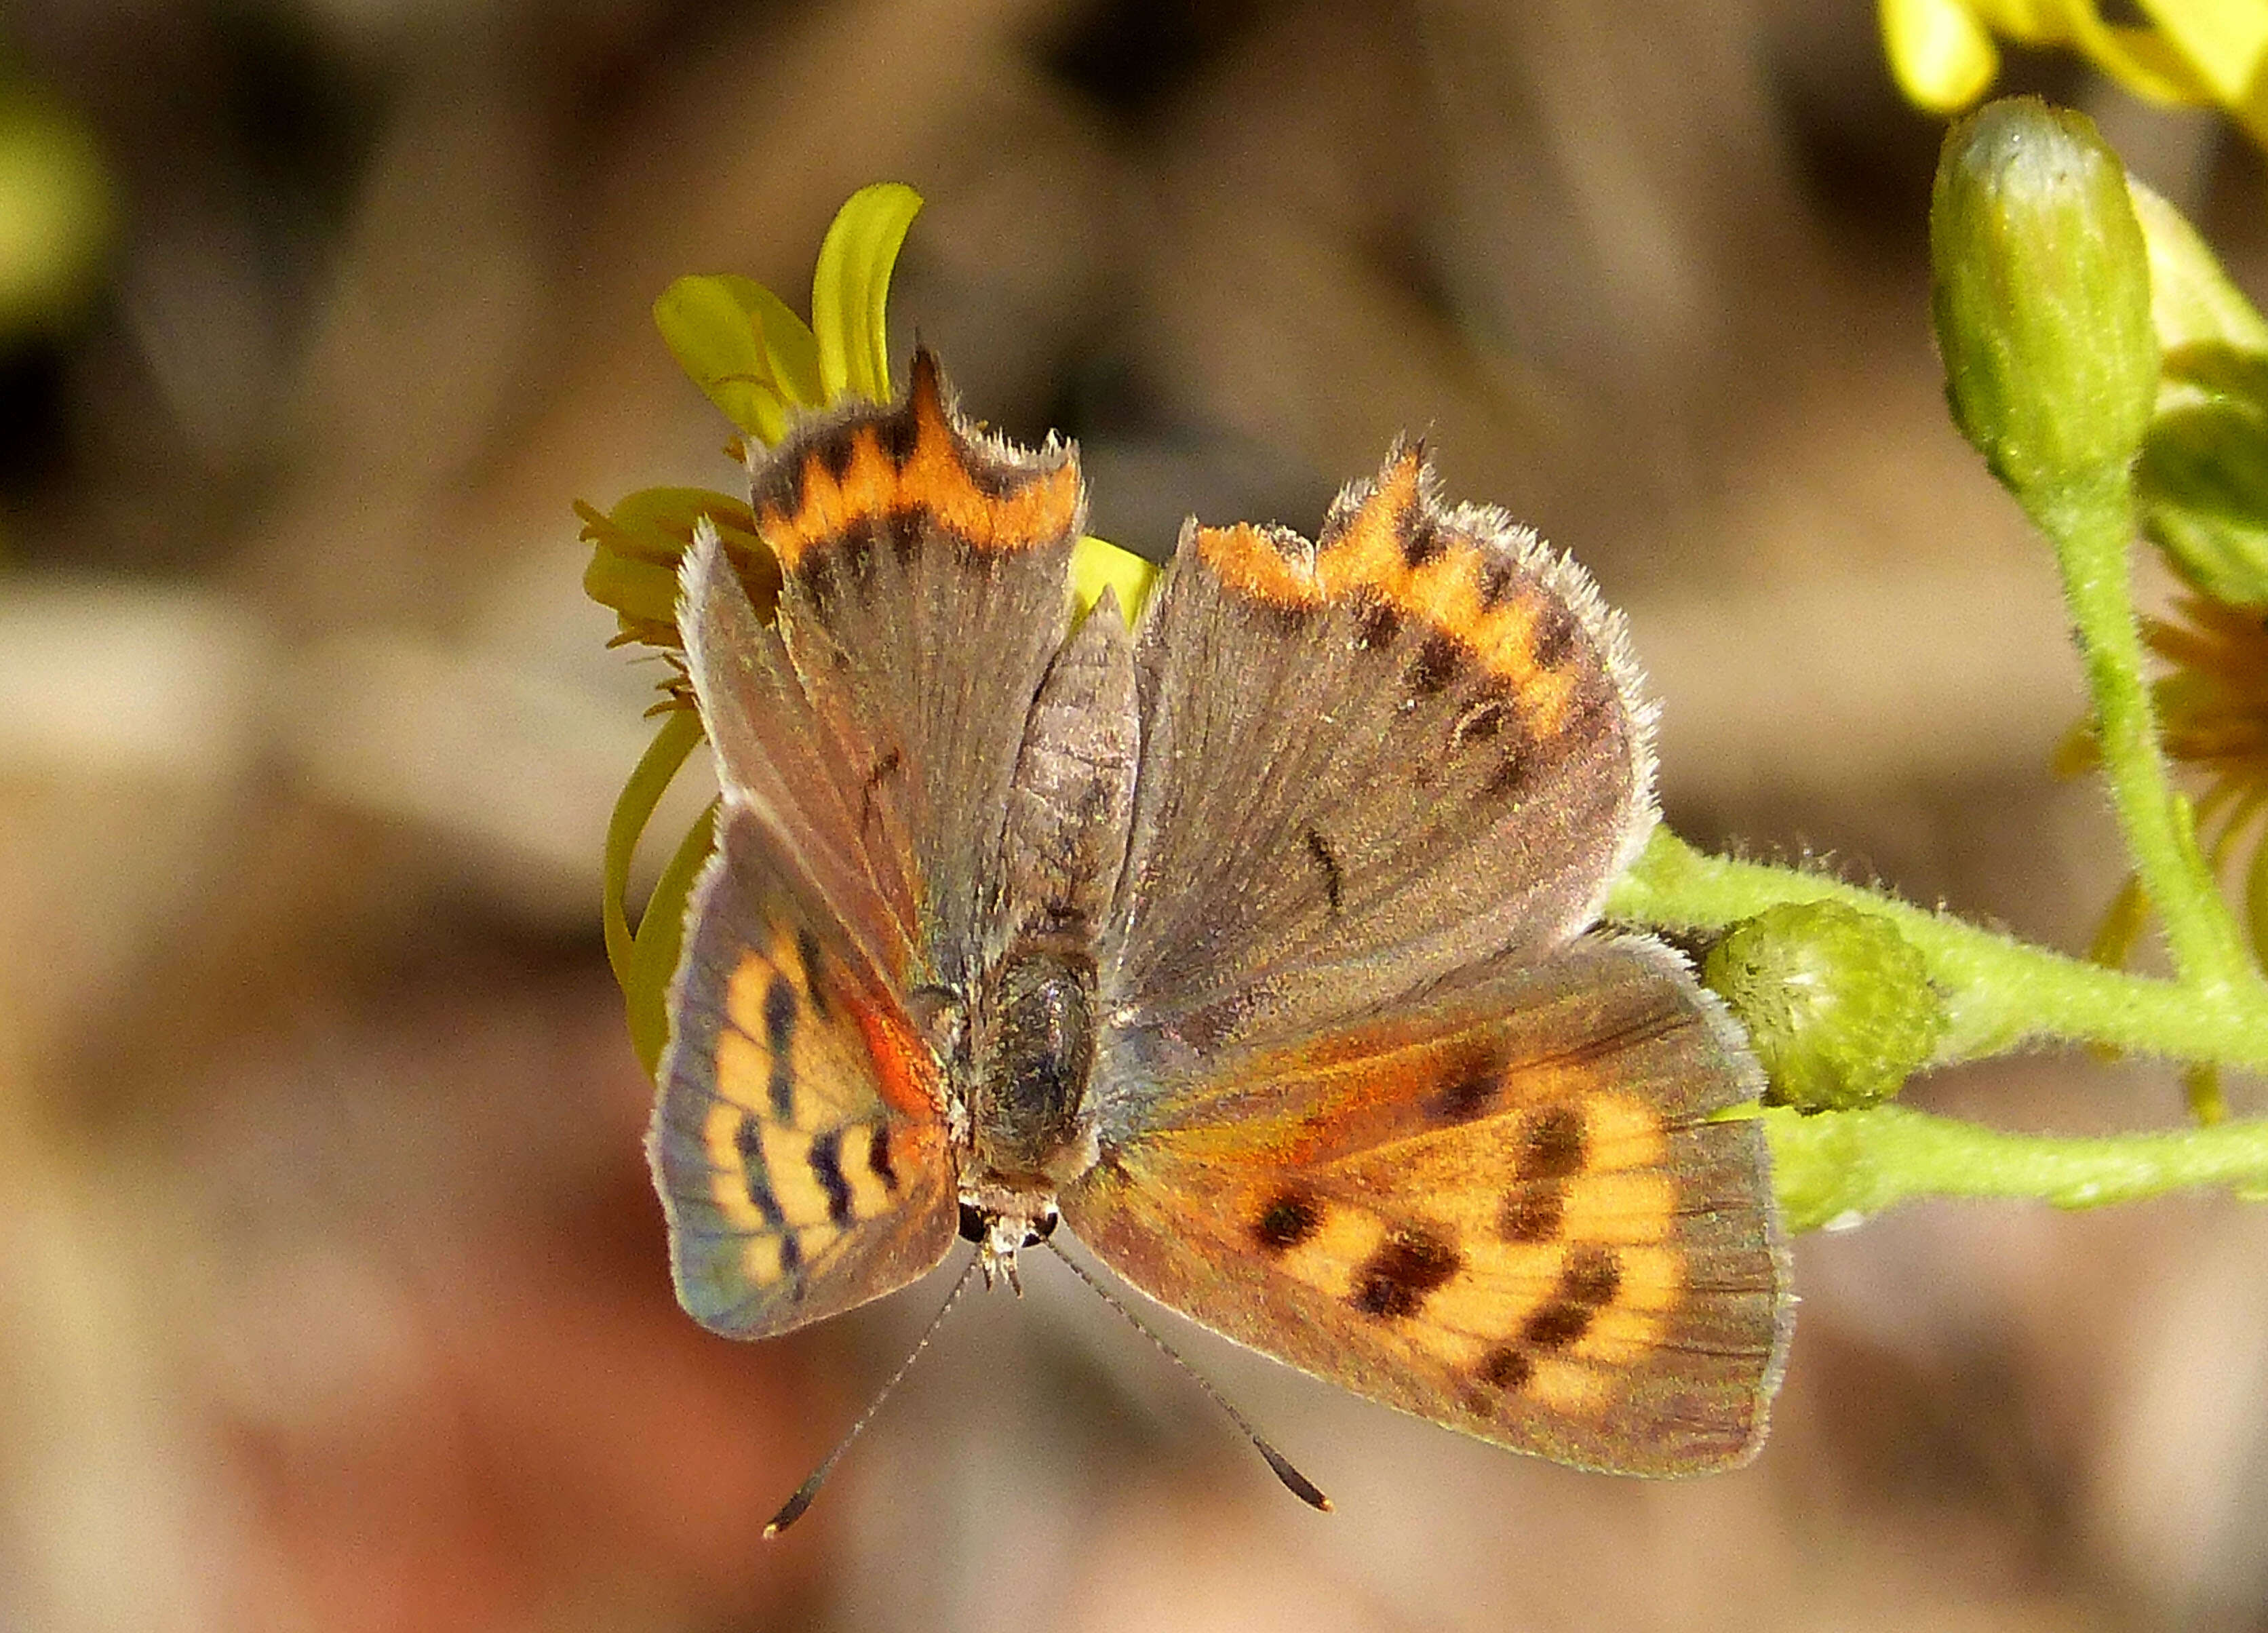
333,1294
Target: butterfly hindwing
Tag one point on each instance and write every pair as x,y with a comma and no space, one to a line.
1507,1209
799,1140
1367,762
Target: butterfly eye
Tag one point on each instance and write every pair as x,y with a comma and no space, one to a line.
1042,1228
972,1224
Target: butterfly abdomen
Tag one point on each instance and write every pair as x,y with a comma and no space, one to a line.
1034,1057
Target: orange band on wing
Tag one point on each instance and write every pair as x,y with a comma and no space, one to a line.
1248,560
834,491
1447,589
903,1068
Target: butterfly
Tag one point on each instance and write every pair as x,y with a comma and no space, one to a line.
1254,943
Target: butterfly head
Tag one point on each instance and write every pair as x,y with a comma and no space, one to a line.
1002,1226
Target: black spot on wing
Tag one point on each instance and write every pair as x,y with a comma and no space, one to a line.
1506,1367
1531,1216
854,543
1467,1088
1554,634
1553,1145
1557,1325
1290,1217
836,453
1514,771
899,434
781,1007
1376,621
1436,661
1586,1283
778,485
1420,539
748,1140
1326,863
904,530
1286,620
815,572
1594,1276
878,1157
1481,722
1396,1280
827,1171
1499,580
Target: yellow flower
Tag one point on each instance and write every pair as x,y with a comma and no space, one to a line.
2212,717
762,366
2212,710
2203,52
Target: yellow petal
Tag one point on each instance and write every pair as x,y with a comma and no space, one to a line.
660,938
1097,565
657,768
1942,56
754,358
637,546
850,289
2225,42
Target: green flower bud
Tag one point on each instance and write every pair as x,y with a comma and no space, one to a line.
2203,480
2042,297
1837,1003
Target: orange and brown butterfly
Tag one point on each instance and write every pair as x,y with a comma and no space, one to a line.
1257,943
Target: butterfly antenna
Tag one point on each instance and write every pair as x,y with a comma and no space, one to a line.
1297,1483
792,1510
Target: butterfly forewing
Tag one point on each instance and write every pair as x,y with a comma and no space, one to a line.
924,592
799,1142
1507,1209
1367,762
866,740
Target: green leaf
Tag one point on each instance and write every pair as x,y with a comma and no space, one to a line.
850,289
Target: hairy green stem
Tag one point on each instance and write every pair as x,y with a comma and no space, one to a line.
2001,993
2091,525
1841,1167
